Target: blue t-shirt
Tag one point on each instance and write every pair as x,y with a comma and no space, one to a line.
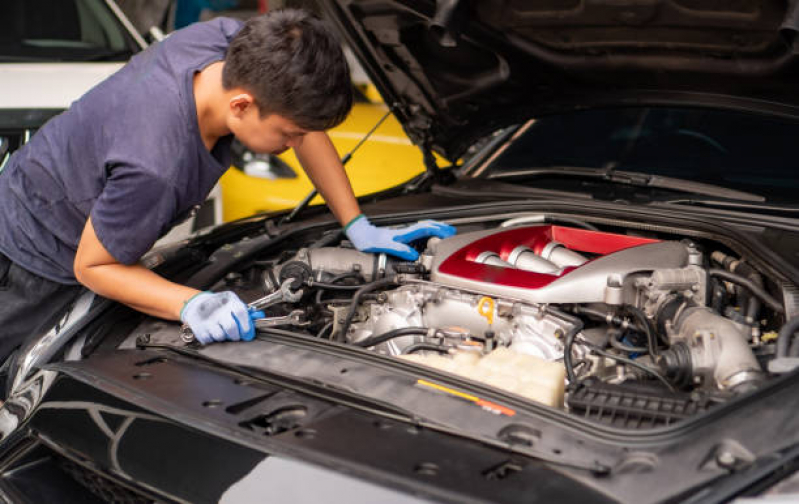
128,153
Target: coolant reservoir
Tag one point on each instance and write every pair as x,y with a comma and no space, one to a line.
524,375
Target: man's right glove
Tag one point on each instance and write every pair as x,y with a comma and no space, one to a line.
369,238
219,316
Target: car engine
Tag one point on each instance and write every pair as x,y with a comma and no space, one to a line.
620,328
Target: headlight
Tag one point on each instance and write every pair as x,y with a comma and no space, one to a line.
265,166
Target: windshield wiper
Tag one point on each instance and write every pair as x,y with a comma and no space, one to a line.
636,179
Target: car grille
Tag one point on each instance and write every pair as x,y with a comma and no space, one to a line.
105,488
31,471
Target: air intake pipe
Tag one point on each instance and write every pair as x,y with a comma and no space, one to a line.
709,349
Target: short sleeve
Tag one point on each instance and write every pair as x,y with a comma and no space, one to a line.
133,211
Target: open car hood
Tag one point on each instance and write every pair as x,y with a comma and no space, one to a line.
454,70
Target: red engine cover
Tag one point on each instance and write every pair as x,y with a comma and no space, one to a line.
462,262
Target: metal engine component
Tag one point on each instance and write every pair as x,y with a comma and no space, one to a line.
491,258
337,261
526,259
525,328
491,289
585,284
663,285
711,350
558,254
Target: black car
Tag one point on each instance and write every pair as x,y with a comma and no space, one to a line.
613,322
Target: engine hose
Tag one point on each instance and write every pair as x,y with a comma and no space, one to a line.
332,286
786,335
752,307
327,239
749,305
416,347
750,285
396,333
632,363
568,340
324,329
643,323
567,351
341,335
322,286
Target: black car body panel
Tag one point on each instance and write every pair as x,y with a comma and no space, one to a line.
456,70
158,425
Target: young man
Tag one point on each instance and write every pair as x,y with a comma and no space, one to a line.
99,184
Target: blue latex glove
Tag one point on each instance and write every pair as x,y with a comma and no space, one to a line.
369,238
219,316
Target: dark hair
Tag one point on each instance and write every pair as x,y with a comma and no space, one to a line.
294,66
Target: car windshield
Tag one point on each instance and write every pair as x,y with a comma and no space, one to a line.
747,152
62,30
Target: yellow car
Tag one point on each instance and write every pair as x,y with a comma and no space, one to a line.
264,183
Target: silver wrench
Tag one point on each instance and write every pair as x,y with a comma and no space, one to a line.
283,295
294,318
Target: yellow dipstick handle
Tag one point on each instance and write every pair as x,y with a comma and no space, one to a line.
485,307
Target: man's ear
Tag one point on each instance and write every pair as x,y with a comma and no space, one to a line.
240,103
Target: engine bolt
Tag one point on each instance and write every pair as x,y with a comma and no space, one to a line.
726,459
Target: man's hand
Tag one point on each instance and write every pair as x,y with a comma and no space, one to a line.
218,317
369,238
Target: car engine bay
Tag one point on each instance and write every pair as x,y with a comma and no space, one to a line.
626,328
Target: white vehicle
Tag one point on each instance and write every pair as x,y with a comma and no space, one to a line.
54,51
51,53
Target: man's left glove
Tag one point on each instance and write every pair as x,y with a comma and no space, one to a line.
219,316
369,238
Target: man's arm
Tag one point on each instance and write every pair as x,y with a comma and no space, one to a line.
321,162
134,285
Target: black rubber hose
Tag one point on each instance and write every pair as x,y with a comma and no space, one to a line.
752,308
568,340
640,323
396,333
632,363
332,286
786,335
750,285
567,351
327,239
349,274
643,324
356,299
416,347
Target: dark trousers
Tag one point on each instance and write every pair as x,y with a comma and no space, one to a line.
29,305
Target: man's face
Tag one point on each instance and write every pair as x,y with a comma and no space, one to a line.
271,134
